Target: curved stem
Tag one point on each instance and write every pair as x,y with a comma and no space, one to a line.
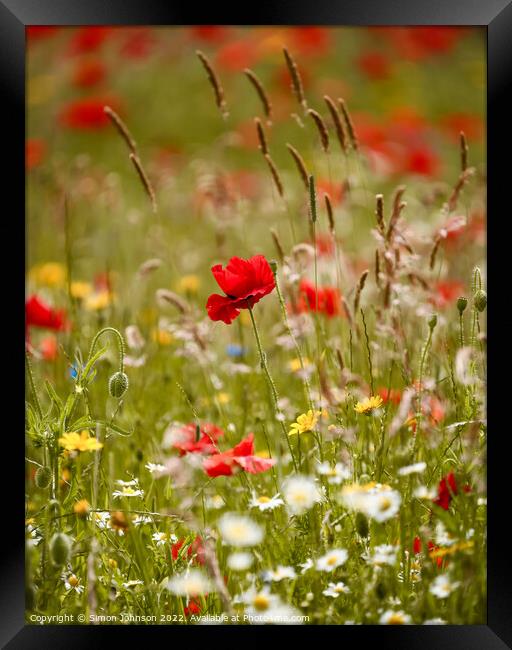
120,344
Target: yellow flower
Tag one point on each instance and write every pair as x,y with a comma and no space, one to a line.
295,364
368,405
82,441
81,508
98,300
189,284
162,337
50,274
80,290
449,550
305,422
223,398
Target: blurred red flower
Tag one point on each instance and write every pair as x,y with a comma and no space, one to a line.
244,282
89,39
88,73
472,125
193,607
195,548
34,152
325,300
48,348
393,395
40,32
237,55
446,490
334,190
87,113
374,65
39,314
421,160
311,40
138,43
241,457
192,438
446,292
209,33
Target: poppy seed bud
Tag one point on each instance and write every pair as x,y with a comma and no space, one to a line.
43,477
462,303
362,524
273,267
118,384
480,300
60,548
432,321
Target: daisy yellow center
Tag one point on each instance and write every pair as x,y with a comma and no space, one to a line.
385,504
300,497
396,619
263,499
239,531
261,602
331,561
73,581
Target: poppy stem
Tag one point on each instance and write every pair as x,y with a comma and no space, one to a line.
270,381
120,345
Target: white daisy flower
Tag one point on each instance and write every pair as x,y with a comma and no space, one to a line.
416,468
332,560
308,564
127,492
142,519
442,536
131,483
434,621
278,574
334,589
156,468
335,475
442,586
215,502
101,519
132,584
424,493
383,505
72,583
391,617
264,607
382,554
239,530
240,561
190,583
161,539
34,535
264,503
301,493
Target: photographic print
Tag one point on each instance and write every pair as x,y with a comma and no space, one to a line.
255,325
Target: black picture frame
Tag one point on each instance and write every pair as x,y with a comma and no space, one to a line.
496,16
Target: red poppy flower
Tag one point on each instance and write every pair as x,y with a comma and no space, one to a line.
239,458
34,153
244,282
237,55
89,39
310,40
374,65
325,300
188,439
209,33
48,348
139,42
87,113
417,547
195,548
446,490
193,607
40,32
422,161
39,314
334,190
446,292
88,73
393,395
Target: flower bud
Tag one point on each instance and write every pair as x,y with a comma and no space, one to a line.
273,267
480,300
43,477
60,549
118,384
432,321
462,303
